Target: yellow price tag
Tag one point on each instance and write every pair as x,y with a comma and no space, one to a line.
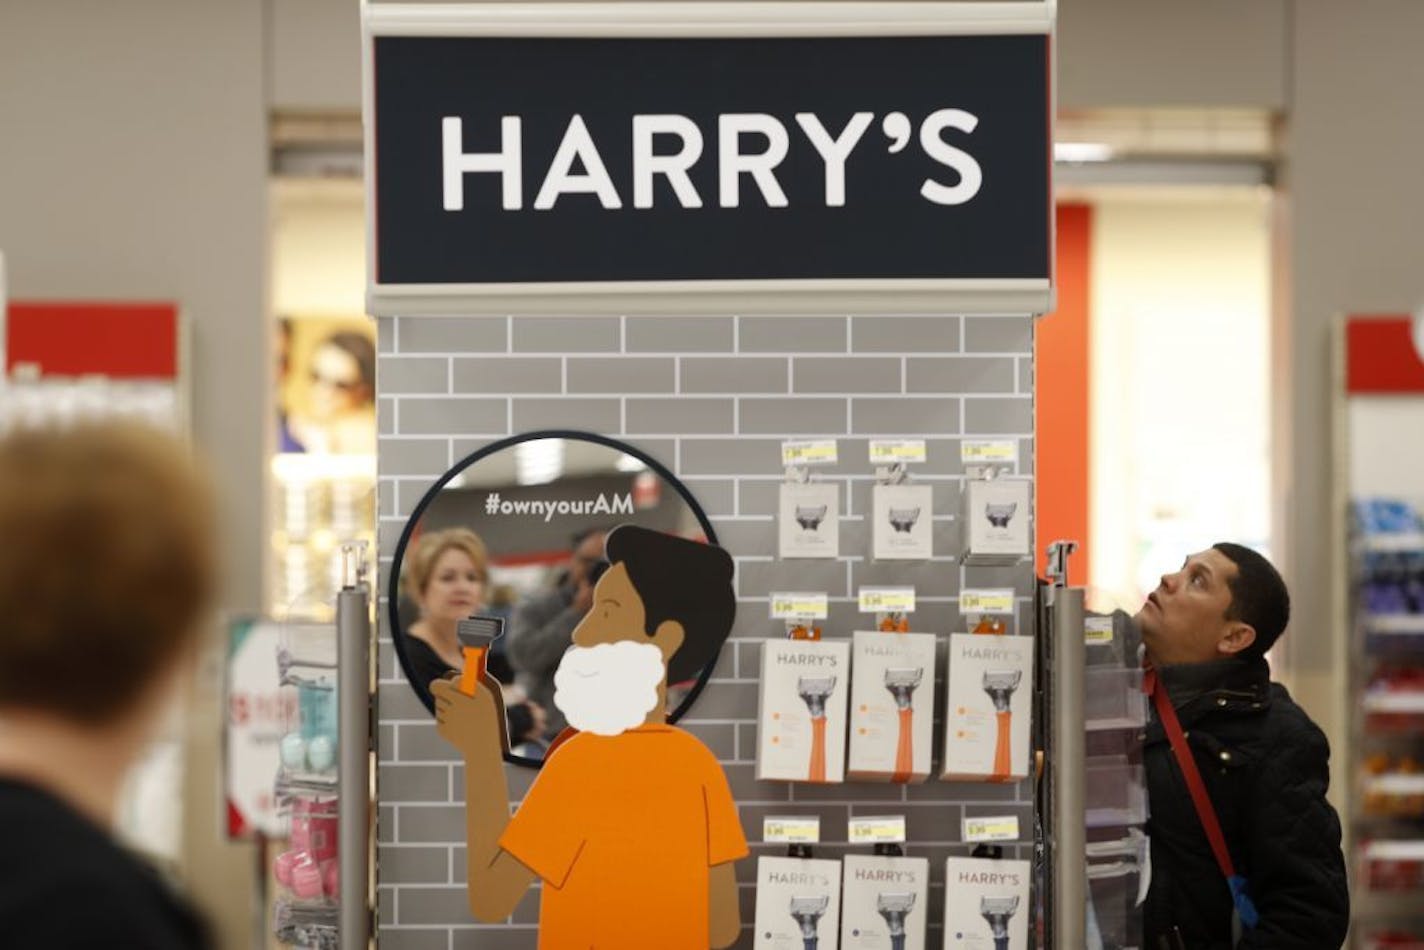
997,601
822,452
1098,630
888,829
799,606
896,451
998,828
984,452
874,600
791,830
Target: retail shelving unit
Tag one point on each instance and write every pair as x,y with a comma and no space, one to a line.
1380,486
1092,701
89,360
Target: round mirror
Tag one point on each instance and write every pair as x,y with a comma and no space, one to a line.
516,531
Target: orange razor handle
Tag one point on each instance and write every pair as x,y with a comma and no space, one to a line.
818,751
474,669
1001,748
904,748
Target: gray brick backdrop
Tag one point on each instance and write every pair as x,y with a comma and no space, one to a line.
711,398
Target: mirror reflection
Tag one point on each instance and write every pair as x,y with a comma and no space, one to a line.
517,531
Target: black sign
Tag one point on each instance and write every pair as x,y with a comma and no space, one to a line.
557,160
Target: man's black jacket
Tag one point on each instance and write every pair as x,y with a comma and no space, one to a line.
1266,768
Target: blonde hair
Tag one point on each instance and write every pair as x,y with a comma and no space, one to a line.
419,562
107,566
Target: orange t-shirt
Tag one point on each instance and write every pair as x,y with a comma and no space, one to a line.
622,830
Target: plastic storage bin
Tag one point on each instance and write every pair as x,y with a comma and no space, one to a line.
1114,917
1113,699
1116,795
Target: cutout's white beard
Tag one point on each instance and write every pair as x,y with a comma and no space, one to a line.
609,688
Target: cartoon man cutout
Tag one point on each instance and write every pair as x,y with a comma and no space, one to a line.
630,823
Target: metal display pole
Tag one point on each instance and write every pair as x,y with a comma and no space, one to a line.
1070,860
353,690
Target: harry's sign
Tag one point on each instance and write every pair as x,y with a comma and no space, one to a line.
688,162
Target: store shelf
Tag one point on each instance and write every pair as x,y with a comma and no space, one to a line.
303,924
1403,542
1414,942
1401,625
1395,784
1375,905
299,466
1397,702
1411,850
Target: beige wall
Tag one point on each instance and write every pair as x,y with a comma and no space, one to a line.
1153,53
1355,244
133,165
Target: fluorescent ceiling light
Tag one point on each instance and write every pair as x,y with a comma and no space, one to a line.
538,462
1082,152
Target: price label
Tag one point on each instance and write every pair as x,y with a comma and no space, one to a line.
876,600
996,601
996,828
820,452
896,451
886,829
793,830
988,452
1098,631
799,606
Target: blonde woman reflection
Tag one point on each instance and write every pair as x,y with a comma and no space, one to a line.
446,576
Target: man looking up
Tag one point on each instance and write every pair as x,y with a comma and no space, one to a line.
1263,764
543,623
630,823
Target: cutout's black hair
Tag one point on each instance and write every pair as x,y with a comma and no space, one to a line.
680,580
1258,596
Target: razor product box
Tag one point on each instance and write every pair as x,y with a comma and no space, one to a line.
990,697
903,522
810,520
801,726
884,903
996,521
797,904
892,693
985,904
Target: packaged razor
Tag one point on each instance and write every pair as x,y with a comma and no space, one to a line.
986,904
810,520
802,718
988,708
892,703
884,902
810,511
902,519
797,904
996,516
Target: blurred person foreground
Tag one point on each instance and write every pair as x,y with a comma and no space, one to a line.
107,569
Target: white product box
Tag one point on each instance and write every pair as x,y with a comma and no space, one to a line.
903,522
989,704
885,903
810,519
801,728
985,904
892,692
798,904
996,519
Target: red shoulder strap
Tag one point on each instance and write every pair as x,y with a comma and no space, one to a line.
1183,754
